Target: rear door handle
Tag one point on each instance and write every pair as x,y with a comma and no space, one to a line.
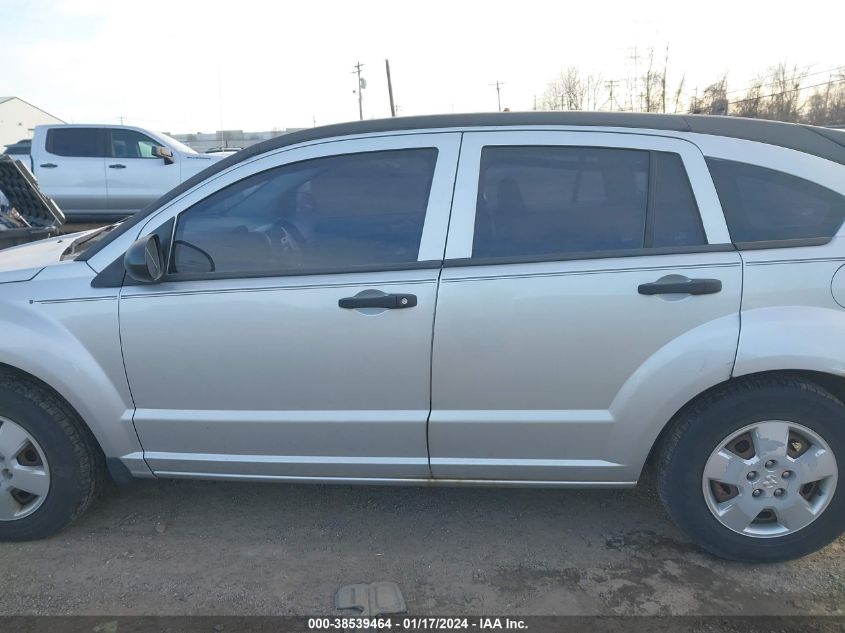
117,166
677,284
391,302
48,165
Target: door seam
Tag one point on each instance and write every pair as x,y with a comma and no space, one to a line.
434,312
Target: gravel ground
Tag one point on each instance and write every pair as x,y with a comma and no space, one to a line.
183,547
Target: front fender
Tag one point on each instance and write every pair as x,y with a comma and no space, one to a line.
63,333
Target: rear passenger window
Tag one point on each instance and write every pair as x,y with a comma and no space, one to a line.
80,142
763,204
547,200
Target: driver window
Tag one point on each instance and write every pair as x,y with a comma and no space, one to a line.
131,144
328,213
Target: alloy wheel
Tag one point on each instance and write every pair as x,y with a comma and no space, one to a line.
24,474
770,479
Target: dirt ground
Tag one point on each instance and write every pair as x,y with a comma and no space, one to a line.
183,547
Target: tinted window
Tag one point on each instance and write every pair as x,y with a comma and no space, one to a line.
328,213
547,200
131,144
75,141
676,219
762,204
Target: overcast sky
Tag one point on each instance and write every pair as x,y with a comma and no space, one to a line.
192,65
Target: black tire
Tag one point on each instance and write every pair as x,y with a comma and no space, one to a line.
707,421
76,463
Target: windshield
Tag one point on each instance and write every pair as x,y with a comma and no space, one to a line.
176,144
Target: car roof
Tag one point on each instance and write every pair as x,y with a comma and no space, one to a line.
823,142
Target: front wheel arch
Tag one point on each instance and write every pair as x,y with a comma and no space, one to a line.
9,372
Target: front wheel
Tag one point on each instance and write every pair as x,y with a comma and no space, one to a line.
750,470
50,465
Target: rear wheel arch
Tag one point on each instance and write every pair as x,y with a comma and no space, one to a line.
831,383
783,400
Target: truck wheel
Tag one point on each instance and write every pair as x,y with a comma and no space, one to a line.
50,465
749,470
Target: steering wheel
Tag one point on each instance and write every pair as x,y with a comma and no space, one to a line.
284,235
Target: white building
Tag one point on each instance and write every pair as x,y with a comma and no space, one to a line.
18,118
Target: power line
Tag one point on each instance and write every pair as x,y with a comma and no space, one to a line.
783,92
802,76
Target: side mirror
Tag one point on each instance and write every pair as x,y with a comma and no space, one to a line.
143,261
165,153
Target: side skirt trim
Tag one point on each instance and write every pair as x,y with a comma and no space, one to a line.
493,483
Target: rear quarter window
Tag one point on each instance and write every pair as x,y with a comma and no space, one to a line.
762,204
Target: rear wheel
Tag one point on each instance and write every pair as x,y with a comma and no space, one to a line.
50,465
750,471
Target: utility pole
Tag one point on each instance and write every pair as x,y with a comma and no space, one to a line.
663,80
361,84
498,85
389,87
610,85
636,58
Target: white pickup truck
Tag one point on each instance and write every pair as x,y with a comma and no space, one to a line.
105,172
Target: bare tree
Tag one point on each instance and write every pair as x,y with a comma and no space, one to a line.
836,101
826,106
714,99
654,85
750,105
784,102
679,92
776,94
571,91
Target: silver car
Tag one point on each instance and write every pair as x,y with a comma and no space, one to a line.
539,299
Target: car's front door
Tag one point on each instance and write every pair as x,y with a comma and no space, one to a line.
589,290
291,336
136,177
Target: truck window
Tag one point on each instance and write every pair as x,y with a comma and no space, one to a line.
80,142
131,144
764,205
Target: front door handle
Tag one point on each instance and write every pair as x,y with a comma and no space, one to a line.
677,284
48,165
390,302
117,166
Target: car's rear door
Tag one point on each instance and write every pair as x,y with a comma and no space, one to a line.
292,334
589,290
